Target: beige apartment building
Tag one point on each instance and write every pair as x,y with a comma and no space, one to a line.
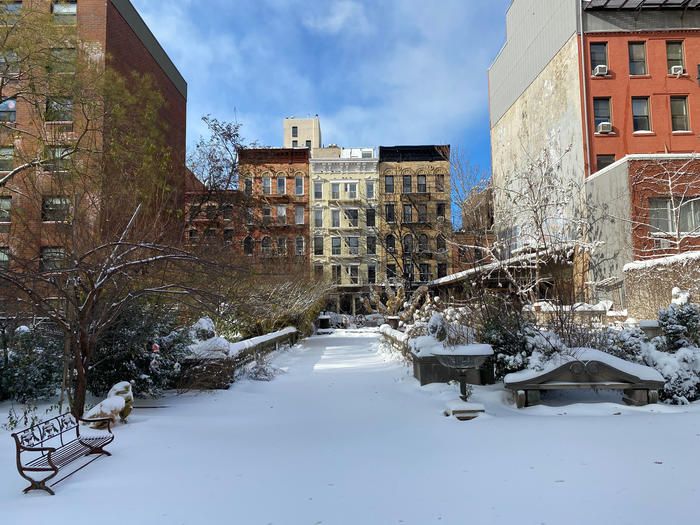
345,222
302,132
415,213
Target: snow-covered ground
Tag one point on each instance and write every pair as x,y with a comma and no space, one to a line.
347,436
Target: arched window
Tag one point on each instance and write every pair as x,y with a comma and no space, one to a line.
300,246
267,246
248,246
390,243
423,243
408,244
441,243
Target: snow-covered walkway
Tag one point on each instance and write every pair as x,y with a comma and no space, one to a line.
347,437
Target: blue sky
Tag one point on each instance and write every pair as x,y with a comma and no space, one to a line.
377,72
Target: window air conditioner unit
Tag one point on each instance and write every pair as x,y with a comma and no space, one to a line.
677,70
605,127
600,71
662,244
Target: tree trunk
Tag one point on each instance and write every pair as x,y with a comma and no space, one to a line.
81,354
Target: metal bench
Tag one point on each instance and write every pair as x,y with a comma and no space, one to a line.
639,383
50,446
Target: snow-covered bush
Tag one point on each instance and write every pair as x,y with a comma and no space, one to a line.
31,368
680,324
262,370
681,371
626,343
144,348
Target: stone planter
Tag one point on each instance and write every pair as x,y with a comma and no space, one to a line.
428,369
393,321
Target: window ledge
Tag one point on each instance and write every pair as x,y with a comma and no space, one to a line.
613,134
601,77
684,75
647,75
681,132
644,133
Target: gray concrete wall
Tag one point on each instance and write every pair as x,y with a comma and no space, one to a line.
609,198
536,31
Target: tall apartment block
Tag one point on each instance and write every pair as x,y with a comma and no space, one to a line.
344,221
611,86
111,33
414,203
302,132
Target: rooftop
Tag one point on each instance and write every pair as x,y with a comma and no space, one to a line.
641,4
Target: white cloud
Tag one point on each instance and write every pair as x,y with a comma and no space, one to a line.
338,16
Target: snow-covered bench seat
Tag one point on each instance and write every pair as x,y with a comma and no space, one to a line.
587,368
48,447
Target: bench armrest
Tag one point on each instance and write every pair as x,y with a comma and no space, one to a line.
35,449
107,420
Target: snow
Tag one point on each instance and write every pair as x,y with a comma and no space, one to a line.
347,437
681,258
219,347
644,373
428,345
680,296
388,331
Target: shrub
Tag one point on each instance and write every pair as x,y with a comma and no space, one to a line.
681,371
680,324
32,366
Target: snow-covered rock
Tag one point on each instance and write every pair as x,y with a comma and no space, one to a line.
124,391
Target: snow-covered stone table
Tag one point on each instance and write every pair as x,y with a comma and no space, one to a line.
587,368
433,362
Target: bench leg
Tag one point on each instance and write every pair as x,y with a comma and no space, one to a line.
521,399
653,397
39,485
636,398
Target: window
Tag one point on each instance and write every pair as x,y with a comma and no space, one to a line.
353,244
4,257
371,245
389,184
299,215
440,182
408,270
351,190
295,131
371,274
389,213
281,246
228,236
12,7
422,213
599,54
674,55
318,190
336,273
638,58
318,218
640,114
354,274
423,243
441,243
335,218
227,211
422,184
366,154
407,184
353,218
408,243
59,109
210,211
266,246
441,270
603,161
9,64
369,189
57,158
308,143
299,247
248,186
7,154
390,243
281,215
267,215
299,185
51,259
424,270
249,216
679,114
8,110
281,186
65,12
318,271
440,210
335,245
601,111
63,60
248,246
670,215
335,190
391,271
209,235
55,209
407,213
318,245
5,209
295,143
267,186
193,235
371,216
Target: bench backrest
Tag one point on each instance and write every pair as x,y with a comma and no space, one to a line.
52,430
